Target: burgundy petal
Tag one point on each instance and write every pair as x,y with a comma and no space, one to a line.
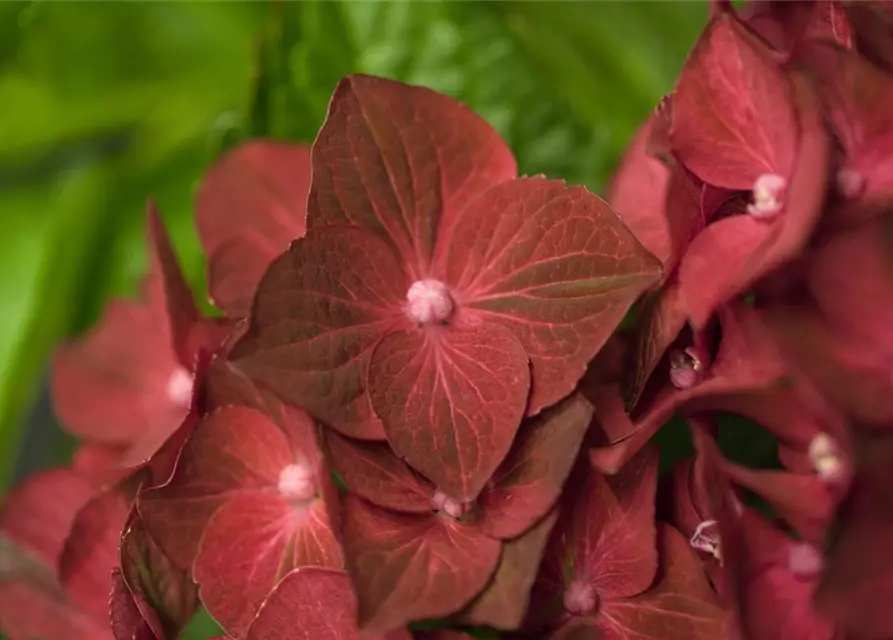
451,400
748,361
679,607
91,550
38,514
312,603
164,596
528,483
252,541
320,310
555,265
234,451
409,567
733,118
503,604
851,277
730,255
638,193
252,204
401,161
127,621
373,472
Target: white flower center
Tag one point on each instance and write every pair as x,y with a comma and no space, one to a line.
706,539
179,387
428,302
825,457
850,183
686,370
296,482
768,196
804,560
579,597
443,503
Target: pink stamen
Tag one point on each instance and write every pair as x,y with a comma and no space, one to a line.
580,598
706,539
296,482
826,459
768,196
428,302
448,506
686,370
805,561
179,387
850,183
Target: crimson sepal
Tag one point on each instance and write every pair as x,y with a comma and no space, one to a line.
35,521
410,188
312,603
252,204
598,573
250,499
747,360
151,597
397,512
130,382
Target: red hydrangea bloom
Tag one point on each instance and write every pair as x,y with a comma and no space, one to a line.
34,522
610,572
442,553
131,394
252,204
251,498
430,276
765,125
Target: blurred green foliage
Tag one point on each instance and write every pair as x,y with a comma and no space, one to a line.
103,104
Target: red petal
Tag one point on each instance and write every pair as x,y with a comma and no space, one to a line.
857,582
234,450
110,387
312,604
373,472
412,567
252,204
29,611
528,483
127,622
851,278
857,96
251,541
852,374
38,514
785,24
555,265
178,299
680,607
775,603
164,596
403,162
658,325
451,400
748,361
872,24
503,604
320,309
742,249
91,551
803,500
733,118
638,193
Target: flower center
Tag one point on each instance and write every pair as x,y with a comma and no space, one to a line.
179,387
580,598
706,539
296,482
825,458
446,505
428,302
804,560
686,369
850,183
768,196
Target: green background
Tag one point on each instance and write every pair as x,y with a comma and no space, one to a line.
103,104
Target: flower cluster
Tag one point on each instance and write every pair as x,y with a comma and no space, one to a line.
419,403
